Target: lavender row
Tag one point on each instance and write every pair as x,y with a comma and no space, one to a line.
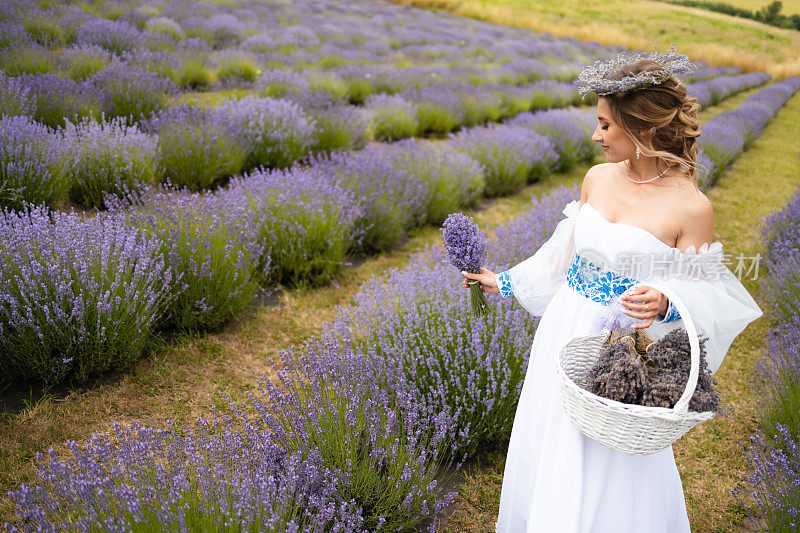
728,134
773,452
199,148
712,91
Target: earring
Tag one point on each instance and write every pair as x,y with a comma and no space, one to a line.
637,152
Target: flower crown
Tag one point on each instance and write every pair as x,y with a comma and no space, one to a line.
595,79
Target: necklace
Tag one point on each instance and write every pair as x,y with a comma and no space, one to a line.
645,181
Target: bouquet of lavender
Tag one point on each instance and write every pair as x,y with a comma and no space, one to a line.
466,250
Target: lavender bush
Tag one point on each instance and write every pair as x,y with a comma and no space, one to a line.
27,59
210,252
389,449
454,180
511,156
80,297
224,474
235,69
196,148
392,117
772,455
114,35
339,127
14,97
80,61
305,223
13,34
391,199
775,478
193,74
30,166
438,108
570,131
165,26
45,32
55,99
107,157
275,132
131,91
277,83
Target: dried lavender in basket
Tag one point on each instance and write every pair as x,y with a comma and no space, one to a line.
656,379
466,250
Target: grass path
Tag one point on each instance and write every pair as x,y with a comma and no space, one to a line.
185,378
717,38
708,457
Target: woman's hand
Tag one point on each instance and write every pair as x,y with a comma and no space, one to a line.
486,278
644,303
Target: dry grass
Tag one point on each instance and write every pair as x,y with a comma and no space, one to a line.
708,457
719,39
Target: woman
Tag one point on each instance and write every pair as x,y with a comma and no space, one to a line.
639,211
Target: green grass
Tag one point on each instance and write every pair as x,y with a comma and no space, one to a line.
719,39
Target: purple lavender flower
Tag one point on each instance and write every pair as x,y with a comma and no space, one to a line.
55,99
107,157
83,60
131,91
510,155
114,35
276,132
30,167
14,97
464,243
197,148
90,290
466,250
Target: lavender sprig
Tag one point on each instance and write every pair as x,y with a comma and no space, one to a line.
466,250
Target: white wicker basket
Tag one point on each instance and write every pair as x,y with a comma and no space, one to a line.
633,429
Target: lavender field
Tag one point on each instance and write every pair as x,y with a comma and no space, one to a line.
165,165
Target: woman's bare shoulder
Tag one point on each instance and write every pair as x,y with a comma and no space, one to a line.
697,219
595,174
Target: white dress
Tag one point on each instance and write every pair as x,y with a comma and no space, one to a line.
557,480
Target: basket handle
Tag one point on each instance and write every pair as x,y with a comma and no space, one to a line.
682,404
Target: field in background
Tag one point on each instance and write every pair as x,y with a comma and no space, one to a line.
703,35
789,6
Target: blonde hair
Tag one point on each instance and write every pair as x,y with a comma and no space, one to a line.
665,110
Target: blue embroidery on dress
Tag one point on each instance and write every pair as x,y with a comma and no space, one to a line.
504,284
593,282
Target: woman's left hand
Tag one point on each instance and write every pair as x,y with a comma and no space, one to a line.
644,303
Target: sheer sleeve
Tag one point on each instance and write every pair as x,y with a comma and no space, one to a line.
719,304
534,281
